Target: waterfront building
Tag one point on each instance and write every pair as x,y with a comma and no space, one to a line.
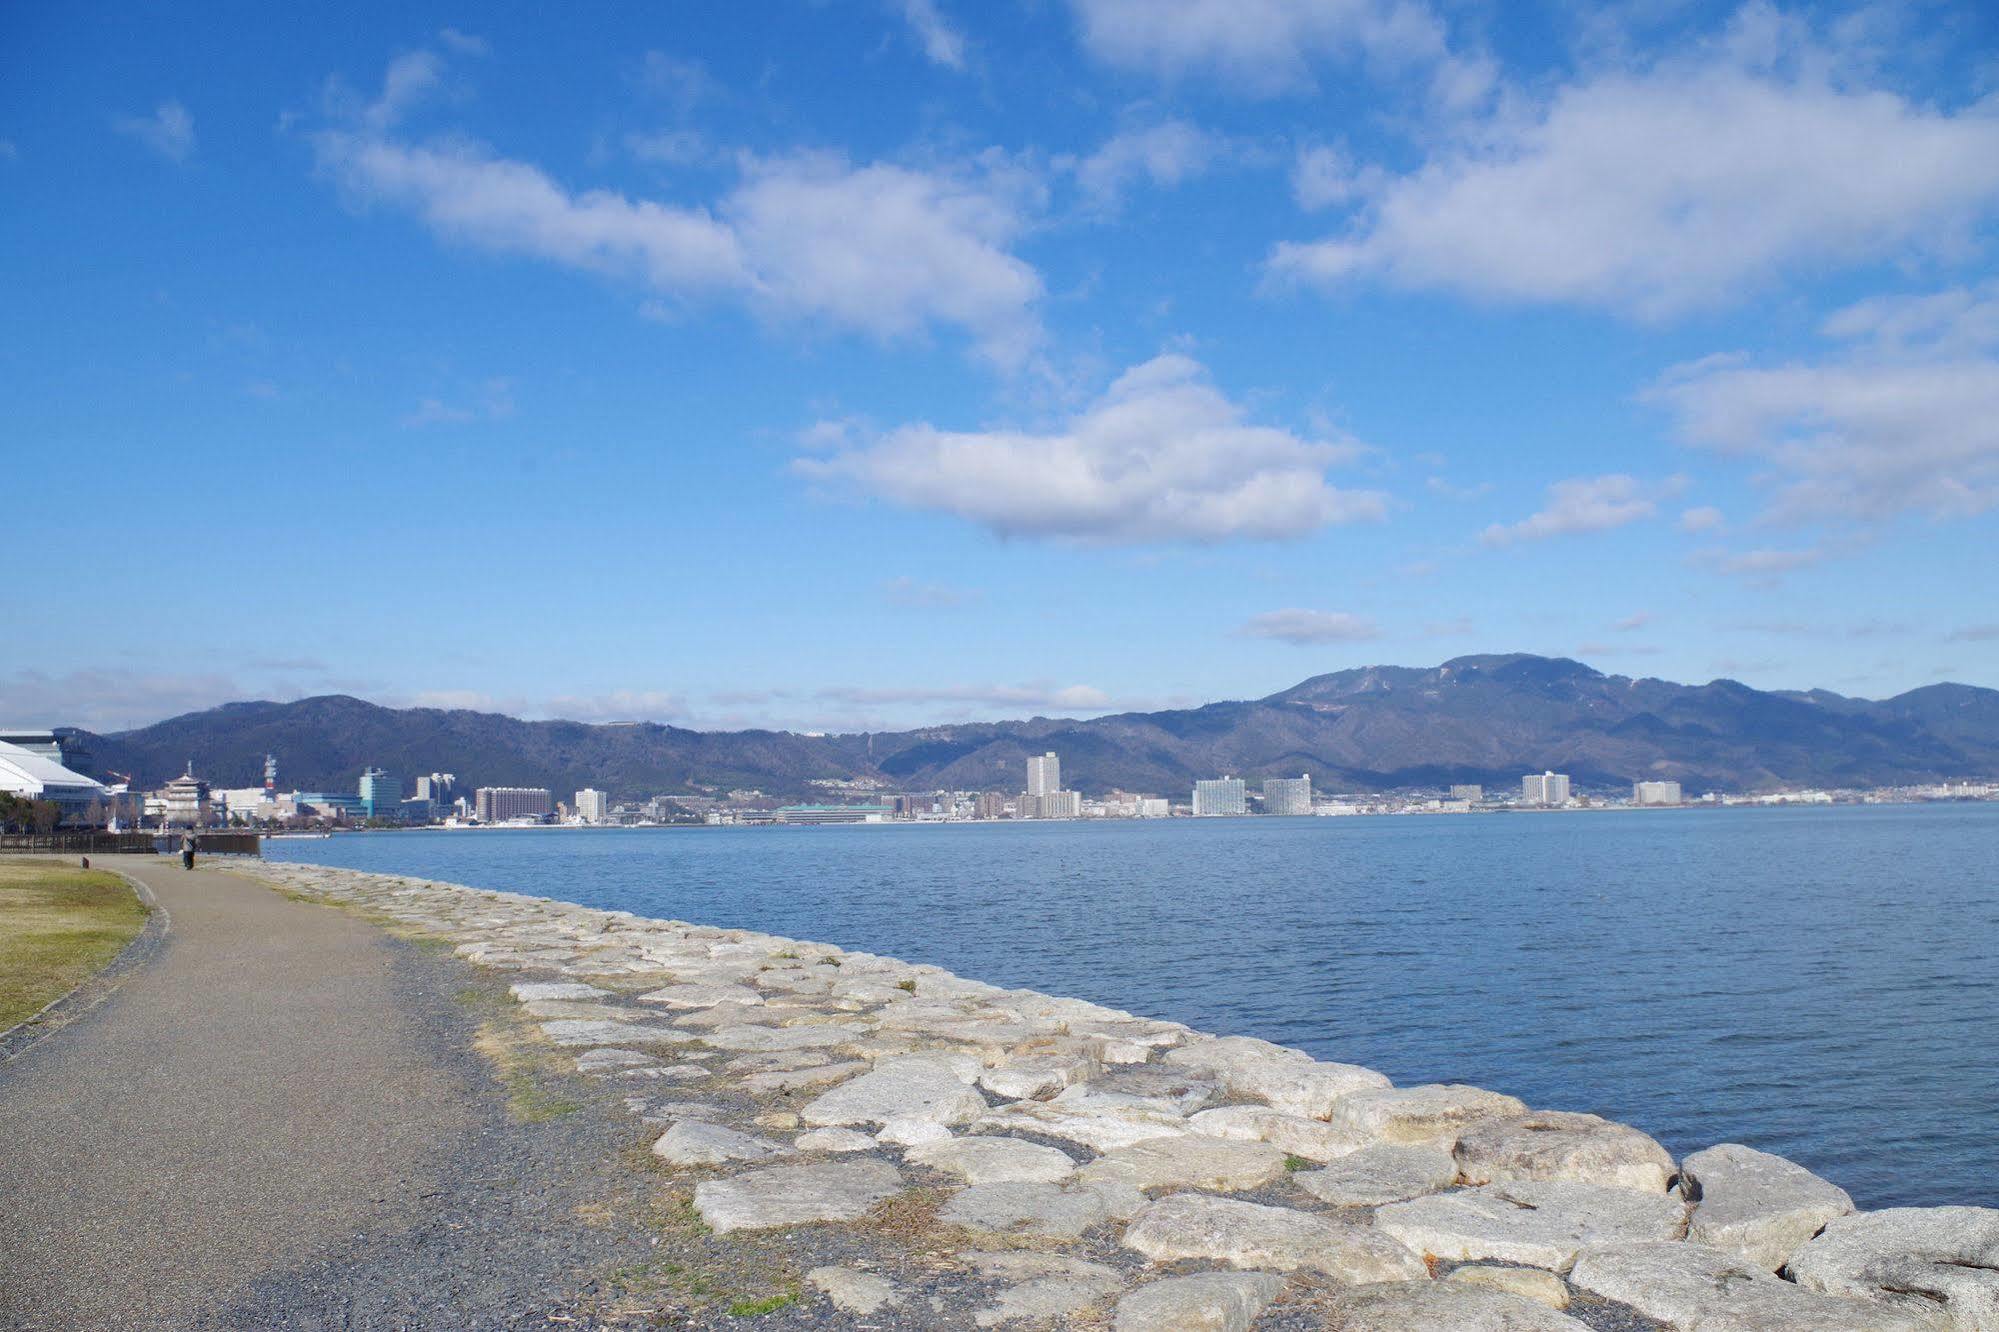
1287,795
499,804
1221,795
593,806
328,804
1469,792
1546,788
1153,807
1655,793
381,795
184,801
817,814
989,805
32,775
439,788
1062,805
1044,774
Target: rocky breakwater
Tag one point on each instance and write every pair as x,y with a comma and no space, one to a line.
1094,1168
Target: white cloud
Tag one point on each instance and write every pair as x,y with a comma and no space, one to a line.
1323,176
1633,622
883,249
1680,186
1904,418
1049,697
681,83
942,43
493,402
1705,518
1765,564
1306,627
110,699
616,705
464,43
1165,154
1265,47
1580,504
169,131
1161,456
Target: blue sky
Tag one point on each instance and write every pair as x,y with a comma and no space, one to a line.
874,363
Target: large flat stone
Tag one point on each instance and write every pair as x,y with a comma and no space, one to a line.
701,996
1250,1235
1204,1302
1441,1306
1757,1206
1025,1207
1437,1113
1695,1288
1538,1223
1097,1124
748,1036
1191,1161
1313,1139
1529,1283
795,1195
994,1160
1384,1173
691,1142
1936,1261
852,1291
531,991
914,1091
1288,1080
578,1032
1553,1144
1037,1075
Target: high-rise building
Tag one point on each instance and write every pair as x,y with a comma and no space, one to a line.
989,805
1655,793
593,806
1221,795
1287,795
1469,792
1044,774
1062,805
440,789
497,804
381,795
1546,788
1153,807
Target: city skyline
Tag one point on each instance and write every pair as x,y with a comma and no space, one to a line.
1068,362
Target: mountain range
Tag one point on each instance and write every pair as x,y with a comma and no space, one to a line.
1481,719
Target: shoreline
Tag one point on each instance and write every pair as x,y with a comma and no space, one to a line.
1030,1117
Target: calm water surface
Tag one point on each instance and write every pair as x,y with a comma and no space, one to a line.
1820,983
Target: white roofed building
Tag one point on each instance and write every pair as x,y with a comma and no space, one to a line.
33,776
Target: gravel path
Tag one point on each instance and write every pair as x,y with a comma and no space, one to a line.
278,1122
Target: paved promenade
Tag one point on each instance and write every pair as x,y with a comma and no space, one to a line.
250,1128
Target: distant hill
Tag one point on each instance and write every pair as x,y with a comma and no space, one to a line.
1473,719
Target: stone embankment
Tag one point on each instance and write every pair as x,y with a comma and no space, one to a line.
1095,1168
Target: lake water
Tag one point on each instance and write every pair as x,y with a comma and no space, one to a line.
1821,983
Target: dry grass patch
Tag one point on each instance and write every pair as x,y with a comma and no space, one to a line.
58,927
527,1063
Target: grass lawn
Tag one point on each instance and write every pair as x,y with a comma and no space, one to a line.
58,925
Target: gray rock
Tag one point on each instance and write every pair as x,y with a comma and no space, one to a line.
1036,1075
751,1037
1553,1144
1025,1207
576,1032
1437,1113
795,1195
1100,1124
532,991
852,1291
1313,1139
1384,1173
994,1160
691,1142
834,1140
1538,1223
1936,1261
609,1059
1441,1306
1046,1299
792,1079
1694,1288
1204,1302
1757,1206
916,1091
1529,1283
1241,1234
701,996
1191,1161
911,1131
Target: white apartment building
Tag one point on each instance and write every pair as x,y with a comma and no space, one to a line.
1287,795
593,806
1221,795
1044,774
1546,788
1655,793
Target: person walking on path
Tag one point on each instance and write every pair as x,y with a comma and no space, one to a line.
187,852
